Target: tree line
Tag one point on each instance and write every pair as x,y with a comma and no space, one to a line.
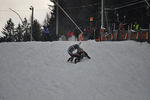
23,31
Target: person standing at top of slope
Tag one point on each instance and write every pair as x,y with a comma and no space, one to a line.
76,51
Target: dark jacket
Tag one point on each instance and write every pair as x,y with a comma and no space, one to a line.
73,48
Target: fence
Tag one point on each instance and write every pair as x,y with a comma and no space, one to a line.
119,35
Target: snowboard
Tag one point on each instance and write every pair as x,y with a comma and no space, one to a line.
76,60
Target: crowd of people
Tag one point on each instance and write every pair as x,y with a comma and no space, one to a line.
92,33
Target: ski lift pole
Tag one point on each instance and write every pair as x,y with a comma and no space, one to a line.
68,16
102,14
57,20
32,9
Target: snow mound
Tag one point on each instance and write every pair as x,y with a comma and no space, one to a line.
40,71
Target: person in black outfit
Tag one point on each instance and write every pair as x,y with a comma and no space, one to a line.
76,51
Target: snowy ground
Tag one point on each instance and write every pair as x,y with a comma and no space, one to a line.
39,71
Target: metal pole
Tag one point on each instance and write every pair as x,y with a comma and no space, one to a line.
32,23
68,15
57,19
32,9
114,26
102,19
102,13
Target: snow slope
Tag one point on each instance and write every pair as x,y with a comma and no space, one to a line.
39,71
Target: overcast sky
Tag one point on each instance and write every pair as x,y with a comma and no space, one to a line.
22,7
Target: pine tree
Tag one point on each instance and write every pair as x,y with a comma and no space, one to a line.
26,30
8,31
47,18
19,35
36,31
50,23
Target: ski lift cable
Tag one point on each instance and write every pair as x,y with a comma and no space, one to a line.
129,5
94,4
68,16
147,3
83,6
125,3
136,8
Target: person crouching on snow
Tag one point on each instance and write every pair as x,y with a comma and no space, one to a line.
76,51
